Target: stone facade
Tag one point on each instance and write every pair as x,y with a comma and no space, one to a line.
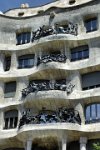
49,76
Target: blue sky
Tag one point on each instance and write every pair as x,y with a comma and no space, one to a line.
9,4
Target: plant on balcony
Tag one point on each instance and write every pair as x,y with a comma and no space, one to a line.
96,146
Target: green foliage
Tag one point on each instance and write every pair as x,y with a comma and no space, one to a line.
96,146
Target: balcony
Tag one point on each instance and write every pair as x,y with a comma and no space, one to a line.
52,58
46,85
48,116
44,31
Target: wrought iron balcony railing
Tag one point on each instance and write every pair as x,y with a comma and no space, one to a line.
47,85
44,31
52,57
47,116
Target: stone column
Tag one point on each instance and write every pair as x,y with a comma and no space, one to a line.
35,59
64,144
28,145
2,59
80,108
1,91
83,141
14,62
22,83
76,80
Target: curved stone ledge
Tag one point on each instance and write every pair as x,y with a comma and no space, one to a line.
45,40
52,67
50,130
34,11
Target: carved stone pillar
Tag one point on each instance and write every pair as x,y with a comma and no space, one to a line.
83,142
14,62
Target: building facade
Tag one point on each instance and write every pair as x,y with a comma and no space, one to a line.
49,76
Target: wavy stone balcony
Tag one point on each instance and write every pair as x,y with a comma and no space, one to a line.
46,85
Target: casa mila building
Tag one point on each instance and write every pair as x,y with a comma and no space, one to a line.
50,76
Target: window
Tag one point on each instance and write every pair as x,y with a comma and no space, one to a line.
11,119
91,80
7,63
23,38
91,24
92,113
71,2
26,61
79,53
10,89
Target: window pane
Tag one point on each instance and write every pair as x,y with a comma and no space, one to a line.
23,38
88,113
18,39
88,26
94,24
98,111
31,62
28,37
93,111
73,56
86,53
79,55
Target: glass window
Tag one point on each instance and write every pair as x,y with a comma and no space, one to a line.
91,24
26,61
88,116
23,38
10,89
78,53
92,113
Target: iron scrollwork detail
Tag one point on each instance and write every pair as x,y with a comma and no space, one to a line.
58,29
52,57
46,85
47,116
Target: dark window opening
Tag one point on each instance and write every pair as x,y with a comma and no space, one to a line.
20,14
71,2
91,80
11,119
79,53
7,63
23,38
91,24
26,61
10,89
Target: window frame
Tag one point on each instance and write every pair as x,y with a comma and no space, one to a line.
88,23
91,113
74,53
22,37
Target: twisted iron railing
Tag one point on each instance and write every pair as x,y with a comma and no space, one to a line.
47,116
58,29
45,86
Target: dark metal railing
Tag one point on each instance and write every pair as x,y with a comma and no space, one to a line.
58,29
47,85
52,57
47,116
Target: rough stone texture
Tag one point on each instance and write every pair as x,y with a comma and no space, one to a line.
10,24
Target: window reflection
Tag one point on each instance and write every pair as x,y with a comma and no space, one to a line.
92,113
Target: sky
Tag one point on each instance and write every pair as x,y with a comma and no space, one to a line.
10,4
